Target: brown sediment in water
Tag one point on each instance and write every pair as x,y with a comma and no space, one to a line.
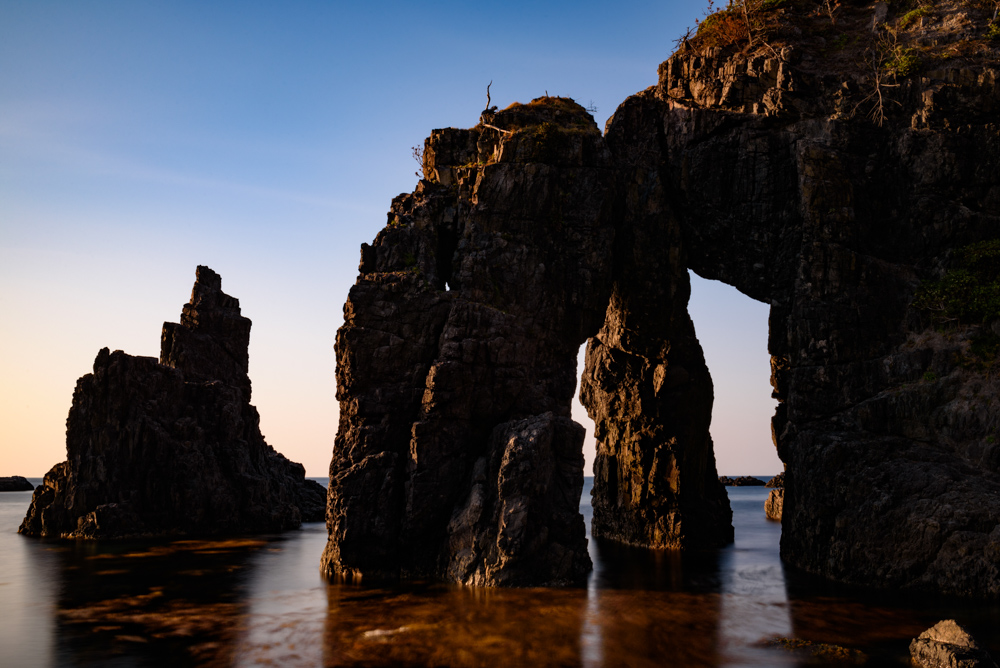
262,602
818,651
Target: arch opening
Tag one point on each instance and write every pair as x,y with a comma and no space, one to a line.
732,329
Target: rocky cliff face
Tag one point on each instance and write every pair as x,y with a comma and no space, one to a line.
645,383
786,184
456,456
173,447
828,159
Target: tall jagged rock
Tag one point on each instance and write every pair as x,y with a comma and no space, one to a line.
645,384
456,457
783,186
173,447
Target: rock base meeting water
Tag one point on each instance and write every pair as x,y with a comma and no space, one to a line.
173,446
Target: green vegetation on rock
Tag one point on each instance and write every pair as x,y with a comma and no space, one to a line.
903,62
912,17
968,293
993,31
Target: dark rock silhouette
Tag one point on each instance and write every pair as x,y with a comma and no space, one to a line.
456,457
15,483
645,383
173,447
887,426
748,163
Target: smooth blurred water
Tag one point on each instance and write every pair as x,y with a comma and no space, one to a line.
27,600
261,601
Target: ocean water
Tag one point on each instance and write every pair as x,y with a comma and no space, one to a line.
260,601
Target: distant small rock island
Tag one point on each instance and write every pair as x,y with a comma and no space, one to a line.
741,481
15,483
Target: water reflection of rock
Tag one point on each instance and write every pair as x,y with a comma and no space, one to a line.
177,603
881,625
754,602
441,625
654,628
652,604
627,567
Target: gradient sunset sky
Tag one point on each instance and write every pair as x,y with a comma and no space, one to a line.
266,140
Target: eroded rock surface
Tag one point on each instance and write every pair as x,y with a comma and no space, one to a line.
173,446
816,178
775,503
456,457
948,645
886,426
645,383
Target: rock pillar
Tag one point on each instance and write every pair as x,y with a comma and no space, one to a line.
173,447
456,457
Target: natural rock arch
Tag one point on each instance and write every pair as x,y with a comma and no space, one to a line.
892,477
455,456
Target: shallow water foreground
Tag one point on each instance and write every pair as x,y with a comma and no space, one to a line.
260,601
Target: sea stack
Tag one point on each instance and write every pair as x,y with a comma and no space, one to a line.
456,456
173,446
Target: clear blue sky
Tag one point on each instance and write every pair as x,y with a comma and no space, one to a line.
266,140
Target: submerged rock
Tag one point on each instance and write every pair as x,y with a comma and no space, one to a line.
948,645
15,483
173,446
814,653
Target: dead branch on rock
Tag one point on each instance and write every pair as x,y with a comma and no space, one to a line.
878,63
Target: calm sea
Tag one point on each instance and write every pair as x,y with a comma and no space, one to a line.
260,601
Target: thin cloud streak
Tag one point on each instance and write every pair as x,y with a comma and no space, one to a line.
21,144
